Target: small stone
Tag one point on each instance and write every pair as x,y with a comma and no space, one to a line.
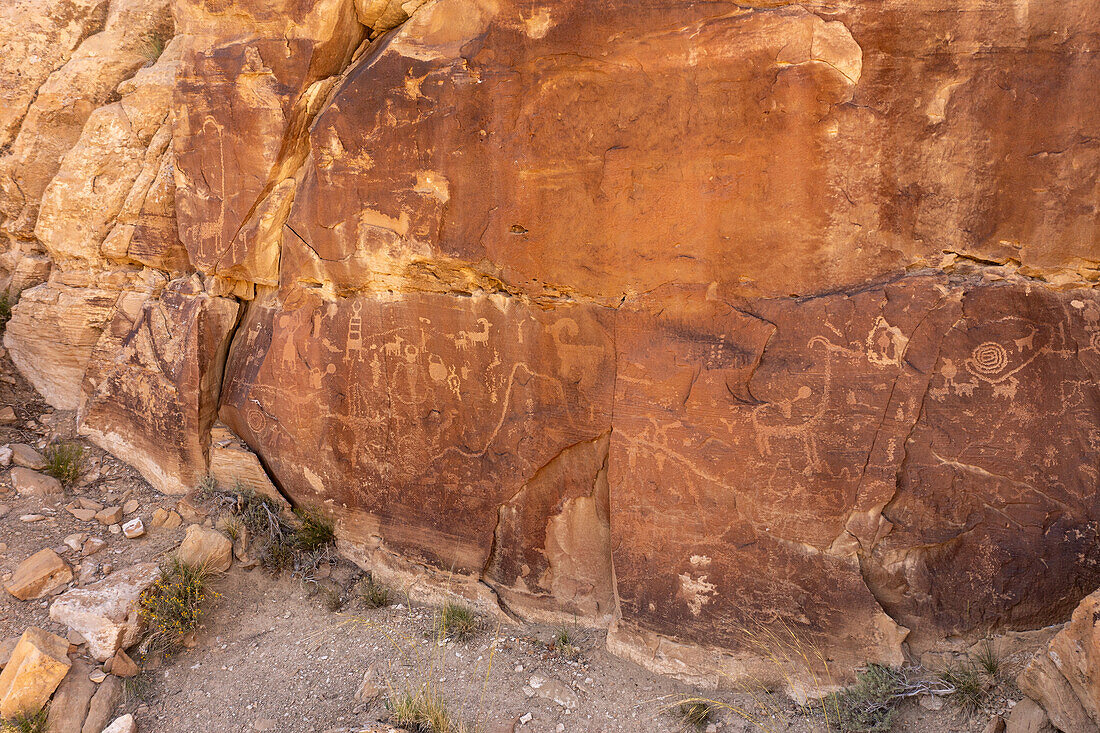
368,691
996,724
110,515
86,503
130,506
264,724
115,528
91,546
31,517
97,676
160,515
122,665
84,515
134,528
75,638
108,568
173,521
39,575
190,508
75,541
5,456
37,665
525,718
4,509
125,724
930,702
27,457
7,415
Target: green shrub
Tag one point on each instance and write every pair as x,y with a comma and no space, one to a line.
423,711
970,690
316,531
172,606
65,462
5,312
25,723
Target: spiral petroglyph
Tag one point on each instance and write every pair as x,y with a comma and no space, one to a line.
989,358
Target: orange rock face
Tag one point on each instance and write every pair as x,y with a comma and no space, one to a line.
728,328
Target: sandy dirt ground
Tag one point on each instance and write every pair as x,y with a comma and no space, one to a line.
281,654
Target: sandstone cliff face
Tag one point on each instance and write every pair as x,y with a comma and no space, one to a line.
712,324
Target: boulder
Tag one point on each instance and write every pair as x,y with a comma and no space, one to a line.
154,406
102,707
39,575
206,548
107,613
69,706
1028,717
31,483
234,466
1064,676
27,457
38,664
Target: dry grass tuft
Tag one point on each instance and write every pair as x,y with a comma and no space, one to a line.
457,622
371,593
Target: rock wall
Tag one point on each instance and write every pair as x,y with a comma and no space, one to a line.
727,327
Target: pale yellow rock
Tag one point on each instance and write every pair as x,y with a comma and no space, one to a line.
52,332
66,100
206,548
111,166
39,575
106,613
234,466
37,666
36,38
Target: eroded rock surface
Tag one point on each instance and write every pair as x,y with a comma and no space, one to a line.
725,327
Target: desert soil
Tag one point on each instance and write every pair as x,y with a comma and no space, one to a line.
275,653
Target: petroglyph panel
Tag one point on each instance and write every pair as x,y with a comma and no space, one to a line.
768,456
418,416
997,512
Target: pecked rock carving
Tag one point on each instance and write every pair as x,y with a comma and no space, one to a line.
710,324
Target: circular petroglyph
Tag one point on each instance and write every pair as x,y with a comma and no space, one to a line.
1094,340
989,358
256,421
